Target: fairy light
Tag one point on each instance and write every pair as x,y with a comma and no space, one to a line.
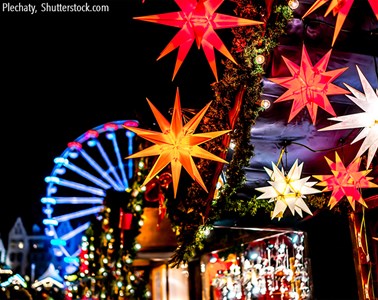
293,4
265,104
260,59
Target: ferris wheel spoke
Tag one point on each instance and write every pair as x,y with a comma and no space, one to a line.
120,163
85,174
72,200
78,214
100,170
130,163
110,165
75,185
76,255
75,232
63,250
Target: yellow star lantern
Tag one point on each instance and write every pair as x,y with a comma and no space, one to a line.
176,144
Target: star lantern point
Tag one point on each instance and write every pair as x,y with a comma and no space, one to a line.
309,85
176,144
341,9
197,21
345,181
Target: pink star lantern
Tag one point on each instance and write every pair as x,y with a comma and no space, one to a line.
345,181
310,85
197,20
341,9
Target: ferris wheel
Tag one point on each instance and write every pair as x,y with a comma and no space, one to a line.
90,167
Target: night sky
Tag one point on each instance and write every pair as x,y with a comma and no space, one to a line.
65,73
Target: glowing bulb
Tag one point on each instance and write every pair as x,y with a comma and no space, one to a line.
265,104
293,4
260,59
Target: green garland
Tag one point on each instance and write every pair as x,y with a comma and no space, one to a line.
193,215
110,253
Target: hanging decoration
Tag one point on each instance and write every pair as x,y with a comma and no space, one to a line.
341,9
176,144
190,218
309,85
287,190
198,21
345,181
155,192
367,120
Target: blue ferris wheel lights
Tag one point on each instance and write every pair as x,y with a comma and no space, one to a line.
87,175
52,222
75,185
98,168
110,135
73,154
52,179
48,200
130,134
61,160
58,242
92,142
71,260
84,172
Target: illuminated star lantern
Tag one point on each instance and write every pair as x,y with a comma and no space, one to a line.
367,120
309,85
287,190
341,9
197,20
176,144
345,181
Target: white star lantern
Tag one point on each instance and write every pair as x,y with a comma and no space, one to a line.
287,190
367,120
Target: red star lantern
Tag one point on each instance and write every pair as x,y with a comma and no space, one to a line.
310,85
345,181
341,9
197,20
176,144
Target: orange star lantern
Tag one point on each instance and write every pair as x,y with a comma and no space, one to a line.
197,20
345,181
176,144
341,9
310,85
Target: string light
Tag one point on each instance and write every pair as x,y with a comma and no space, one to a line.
293,4
260,59
265,103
